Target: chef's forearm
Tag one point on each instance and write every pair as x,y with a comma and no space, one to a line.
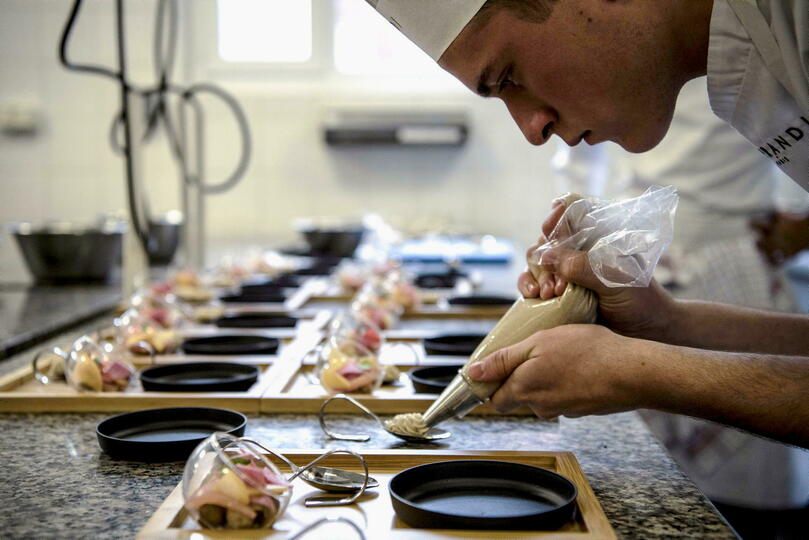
764,394
709,325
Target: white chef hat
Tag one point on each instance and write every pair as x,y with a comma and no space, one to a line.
431,24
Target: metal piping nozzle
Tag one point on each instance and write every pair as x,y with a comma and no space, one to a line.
456,400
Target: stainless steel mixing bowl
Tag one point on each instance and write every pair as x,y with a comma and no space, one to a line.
68,252
164,237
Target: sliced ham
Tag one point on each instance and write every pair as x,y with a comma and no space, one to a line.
205,496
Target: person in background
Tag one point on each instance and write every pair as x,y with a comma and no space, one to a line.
761,486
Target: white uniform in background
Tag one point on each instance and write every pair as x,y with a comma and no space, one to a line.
712,257
758,77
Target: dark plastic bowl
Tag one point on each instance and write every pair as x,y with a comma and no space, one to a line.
199,377
231,345
256,320
169,434
341,242
433,379
482,495
453,344
481,300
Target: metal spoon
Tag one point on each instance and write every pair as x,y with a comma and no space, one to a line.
434,434
327,478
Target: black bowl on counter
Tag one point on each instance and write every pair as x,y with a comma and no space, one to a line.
256,320
67,252
164,237
339,241
481,300
482,494
452,344
433,379
216,345
249,297
199,377
167,434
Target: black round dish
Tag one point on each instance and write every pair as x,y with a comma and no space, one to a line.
231,345
315,270
199,377
285,280
269,297
481,300
256,320
170,434
453,344
482,495
433,379
261,289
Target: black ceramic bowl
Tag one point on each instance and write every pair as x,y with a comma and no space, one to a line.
484,300
199,377
338,241
217,345
481,494
169,434
256,320
453,344
433,379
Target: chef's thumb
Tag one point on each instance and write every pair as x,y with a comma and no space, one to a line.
573,266
495,367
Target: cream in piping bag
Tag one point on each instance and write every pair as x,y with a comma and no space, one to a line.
526,317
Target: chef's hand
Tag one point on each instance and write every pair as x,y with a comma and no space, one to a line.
571,370
781,235
644,312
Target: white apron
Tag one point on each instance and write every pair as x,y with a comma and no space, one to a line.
763,90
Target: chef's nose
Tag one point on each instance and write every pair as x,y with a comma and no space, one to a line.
535,122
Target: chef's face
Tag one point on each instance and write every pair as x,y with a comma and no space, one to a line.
595,70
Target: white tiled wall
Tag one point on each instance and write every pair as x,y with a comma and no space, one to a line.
497,183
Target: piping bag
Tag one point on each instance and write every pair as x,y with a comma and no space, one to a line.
624,241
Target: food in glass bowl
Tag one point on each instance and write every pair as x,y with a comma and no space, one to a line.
142,337
378,316
87,366
227,484
345,366
350,325
404,294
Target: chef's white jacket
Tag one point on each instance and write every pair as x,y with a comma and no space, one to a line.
758,77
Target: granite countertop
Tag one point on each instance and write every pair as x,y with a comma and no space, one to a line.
30,313
56,481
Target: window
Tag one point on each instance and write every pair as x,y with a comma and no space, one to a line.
342,42
367,44
264,30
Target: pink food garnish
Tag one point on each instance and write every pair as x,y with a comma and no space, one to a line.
350,370
258,477
115,371
205,495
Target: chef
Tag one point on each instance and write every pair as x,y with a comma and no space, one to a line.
599,70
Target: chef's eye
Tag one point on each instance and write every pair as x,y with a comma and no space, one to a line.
505,83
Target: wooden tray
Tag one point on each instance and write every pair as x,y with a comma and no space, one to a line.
294,390
20,392
375,513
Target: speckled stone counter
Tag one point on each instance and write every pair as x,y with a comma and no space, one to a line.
29,313
56,483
